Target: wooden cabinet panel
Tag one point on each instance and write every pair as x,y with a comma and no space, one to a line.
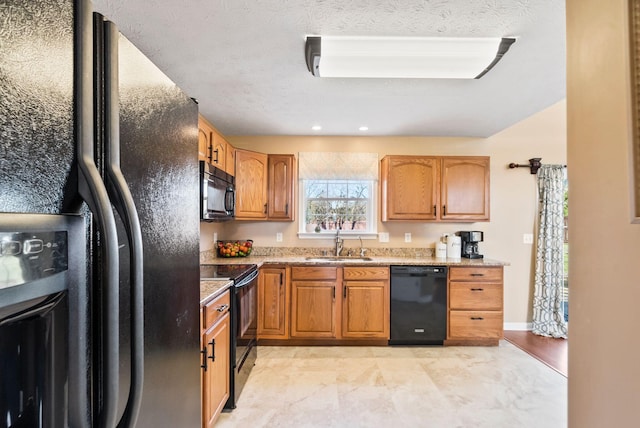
219,151
435,188
282,173
472,273
465,188
475,304
251,185
313,309
475,296
327,273
365,309
230,163
204,139
476,324
273,303
216,340
216,309
409,187
365,272
366,301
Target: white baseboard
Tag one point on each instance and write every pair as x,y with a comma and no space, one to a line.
520,326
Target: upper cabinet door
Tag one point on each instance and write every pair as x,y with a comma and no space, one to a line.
219,151
251,185
409,188
465,188
204,139
282,172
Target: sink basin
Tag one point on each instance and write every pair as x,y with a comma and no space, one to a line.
338,258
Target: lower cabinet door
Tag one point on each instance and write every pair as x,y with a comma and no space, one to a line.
365,309
313,309
215,379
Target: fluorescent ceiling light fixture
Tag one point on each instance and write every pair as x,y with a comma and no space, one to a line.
316,127
404,57
363,128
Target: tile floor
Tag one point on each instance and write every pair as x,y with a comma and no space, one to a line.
434,387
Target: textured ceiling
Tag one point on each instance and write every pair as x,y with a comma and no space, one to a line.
244,62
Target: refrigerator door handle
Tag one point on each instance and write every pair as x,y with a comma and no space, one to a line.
124,204
92,190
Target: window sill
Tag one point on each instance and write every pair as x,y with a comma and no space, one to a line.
343,234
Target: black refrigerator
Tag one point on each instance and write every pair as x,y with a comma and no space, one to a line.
90,128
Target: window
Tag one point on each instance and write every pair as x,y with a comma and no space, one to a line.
338,191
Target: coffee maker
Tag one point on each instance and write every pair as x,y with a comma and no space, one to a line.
470,241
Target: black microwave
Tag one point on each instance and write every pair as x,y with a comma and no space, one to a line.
217,194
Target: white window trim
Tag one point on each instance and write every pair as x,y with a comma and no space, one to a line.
345,234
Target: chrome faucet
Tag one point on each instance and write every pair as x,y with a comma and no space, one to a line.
339,242
362,249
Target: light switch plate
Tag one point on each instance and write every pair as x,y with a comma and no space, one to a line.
407,237
383,237
527,238
279,237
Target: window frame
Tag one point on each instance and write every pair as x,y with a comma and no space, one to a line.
372,213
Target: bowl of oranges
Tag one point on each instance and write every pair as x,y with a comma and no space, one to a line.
234,248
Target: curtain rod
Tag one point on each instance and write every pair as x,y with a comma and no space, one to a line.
534,164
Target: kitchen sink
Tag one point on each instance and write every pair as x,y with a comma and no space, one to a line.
338,258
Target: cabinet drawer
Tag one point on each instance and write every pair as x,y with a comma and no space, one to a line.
475,324
362,272
314,272
485,296
216,309
491,274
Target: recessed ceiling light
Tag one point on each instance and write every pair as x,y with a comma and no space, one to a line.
316,127
364,128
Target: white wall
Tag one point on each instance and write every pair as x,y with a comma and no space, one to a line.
513,195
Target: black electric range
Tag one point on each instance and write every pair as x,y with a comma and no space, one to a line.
232,272
244,316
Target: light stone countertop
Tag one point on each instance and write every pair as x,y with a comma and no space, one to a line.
211,289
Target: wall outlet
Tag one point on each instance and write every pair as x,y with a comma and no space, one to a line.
527,238
279,237
215,237
383,237
407,237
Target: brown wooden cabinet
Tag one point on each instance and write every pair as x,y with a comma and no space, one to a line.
265,186
219,150
409,187
214,148
273,303
251,185
365,306
464,194
314,307
215,343
431,188
475,305
282,178
205,133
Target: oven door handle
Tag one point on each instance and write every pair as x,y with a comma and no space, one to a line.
246,281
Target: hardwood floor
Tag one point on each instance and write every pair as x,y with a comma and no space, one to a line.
552,352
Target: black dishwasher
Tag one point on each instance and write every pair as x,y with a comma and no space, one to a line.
418,305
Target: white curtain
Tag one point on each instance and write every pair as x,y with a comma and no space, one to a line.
548,316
